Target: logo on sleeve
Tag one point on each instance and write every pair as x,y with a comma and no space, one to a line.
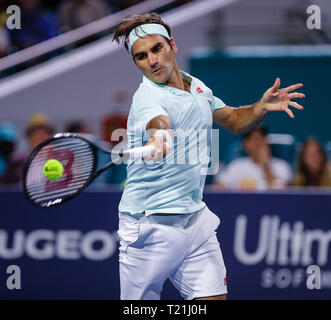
199,90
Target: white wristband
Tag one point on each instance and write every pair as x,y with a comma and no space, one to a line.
166,134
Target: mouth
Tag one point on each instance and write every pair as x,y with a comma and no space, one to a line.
156,71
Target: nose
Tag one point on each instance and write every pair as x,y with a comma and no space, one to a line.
152,59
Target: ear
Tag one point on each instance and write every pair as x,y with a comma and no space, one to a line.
173,44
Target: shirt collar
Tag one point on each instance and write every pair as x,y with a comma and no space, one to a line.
185,76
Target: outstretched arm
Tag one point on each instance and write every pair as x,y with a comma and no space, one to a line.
242,119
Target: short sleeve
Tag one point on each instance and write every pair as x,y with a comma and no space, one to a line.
216,103
145,113
145,109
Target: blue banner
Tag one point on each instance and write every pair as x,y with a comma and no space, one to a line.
275,246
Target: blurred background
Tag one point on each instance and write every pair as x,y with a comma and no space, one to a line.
61,72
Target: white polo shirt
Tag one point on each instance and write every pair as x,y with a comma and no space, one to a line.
175,184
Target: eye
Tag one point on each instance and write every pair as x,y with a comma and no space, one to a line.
157,48
141,56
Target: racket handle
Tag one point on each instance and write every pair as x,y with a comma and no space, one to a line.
139,152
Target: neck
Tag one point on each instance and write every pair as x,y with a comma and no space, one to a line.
176,81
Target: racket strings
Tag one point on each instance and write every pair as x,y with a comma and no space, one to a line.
77,159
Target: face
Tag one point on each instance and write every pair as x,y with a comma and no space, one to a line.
38,136
155,58
313,158
255,143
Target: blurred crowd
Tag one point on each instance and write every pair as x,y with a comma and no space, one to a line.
44,19
38,129
254,168
258,169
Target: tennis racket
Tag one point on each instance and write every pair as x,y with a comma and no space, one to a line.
79,157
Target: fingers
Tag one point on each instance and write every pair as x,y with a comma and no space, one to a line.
276,85
293,87
161,148
296,105
289,112
296,95
158,142
148,157
286,108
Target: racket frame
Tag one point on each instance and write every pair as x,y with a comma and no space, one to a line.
92,176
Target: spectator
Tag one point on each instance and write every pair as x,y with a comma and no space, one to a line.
313,168
37,25
76,13
37,130
7,146
4,42
259,170
78,126
4,36
109,124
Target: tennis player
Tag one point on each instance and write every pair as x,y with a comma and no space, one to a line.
165,229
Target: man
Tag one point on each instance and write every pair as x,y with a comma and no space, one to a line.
165,229
258,170
7,146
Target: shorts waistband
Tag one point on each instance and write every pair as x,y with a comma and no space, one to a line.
181,220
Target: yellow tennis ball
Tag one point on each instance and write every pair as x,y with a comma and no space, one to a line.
53,169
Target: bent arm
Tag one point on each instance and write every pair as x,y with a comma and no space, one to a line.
159,122
157,128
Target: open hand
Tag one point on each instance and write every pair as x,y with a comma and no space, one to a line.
275,99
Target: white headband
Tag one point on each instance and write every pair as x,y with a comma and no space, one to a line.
144,30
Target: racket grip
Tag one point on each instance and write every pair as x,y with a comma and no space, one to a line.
140,152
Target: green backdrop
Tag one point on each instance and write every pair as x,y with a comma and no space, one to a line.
240,75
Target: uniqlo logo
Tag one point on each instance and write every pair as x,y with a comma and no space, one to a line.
199,90
225,281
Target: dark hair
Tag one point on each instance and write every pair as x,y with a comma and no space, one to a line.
129,23
262,130
78,126
6,148
304,177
